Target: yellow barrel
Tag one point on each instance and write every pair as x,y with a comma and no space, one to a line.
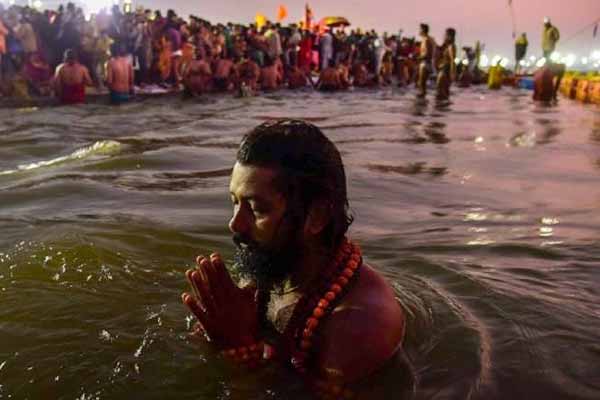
595,92
495,78
573,88
583,91
565,85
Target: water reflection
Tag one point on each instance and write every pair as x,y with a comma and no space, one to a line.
419,107
435,132
443,106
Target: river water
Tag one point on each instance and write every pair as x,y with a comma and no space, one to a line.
483,213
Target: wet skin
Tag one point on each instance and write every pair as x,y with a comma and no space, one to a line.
369,316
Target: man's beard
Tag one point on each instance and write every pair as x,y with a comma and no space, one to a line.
267,267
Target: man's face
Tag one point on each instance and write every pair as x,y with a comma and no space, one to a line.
268,243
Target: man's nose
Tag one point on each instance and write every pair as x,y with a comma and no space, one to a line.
239,221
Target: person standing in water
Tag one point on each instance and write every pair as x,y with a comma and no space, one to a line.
197,76
119,76
425,60
447,66
520,51
70,79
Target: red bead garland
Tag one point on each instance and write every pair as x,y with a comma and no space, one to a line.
250,356
347,261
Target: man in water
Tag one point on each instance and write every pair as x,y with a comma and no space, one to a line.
329,79
447,66
269,75
425,59
297,78
224,74
70,80
197,76
520,51
550,37
309,301
360,75
119,76
248,73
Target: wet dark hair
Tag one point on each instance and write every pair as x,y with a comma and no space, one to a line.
310,170
424,28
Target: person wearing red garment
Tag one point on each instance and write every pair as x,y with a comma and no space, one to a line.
305,53
70,79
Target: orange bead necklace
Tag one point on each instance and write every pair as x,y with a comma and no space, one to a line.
312,309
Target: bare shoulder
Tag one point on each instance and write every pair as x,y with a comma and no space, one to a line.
364,331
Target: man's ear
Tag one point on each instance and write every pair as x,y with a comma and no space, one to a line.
318,217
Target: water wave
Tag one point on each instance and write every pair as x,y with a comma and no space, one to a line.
102,147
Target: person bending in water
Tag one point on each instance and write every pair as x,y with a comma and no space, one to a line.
297,78
308,300
447,66
119,76
360,73
70,79
425,60
329,79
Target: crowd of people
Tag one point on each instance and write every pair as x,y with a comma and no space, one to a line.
61,52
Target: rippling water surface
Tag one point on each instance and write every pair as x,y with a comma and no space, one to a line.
484,213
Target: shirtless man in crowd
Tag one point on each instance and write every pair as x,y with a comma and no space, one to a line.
119,76
447,66
224,74
70,80
360,75
297,78
329,80
197,77
248,72
425,60
269,75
